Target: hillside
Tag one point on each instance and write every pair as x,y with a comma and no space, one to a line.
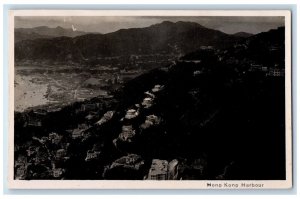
209,111
266,48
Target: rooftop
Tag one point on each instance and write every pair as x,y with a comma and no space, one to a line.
131,113
157,88
158,167
130,161
107,116
147,102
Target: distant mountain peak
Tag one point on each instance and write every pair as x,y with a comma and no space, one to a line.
167,22
243,34
59,28
164,23
41,27
46,32
170,23
188,22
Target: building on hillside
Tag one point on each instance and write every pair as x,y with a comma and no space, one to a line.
163,170
199,165
255,67
151,120
21,161
127,134
20,172
91,155
88,107
158,170
131,113
157,88
106,117
276,72
55,138
57,172
149,94
147,102
173,170
44,139
60,153
131,161
77,133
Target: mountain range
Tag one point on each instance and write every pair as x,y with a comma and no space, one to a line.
163,38
44,32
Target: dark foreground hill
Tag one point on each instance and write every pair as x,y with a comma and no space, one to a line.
220,121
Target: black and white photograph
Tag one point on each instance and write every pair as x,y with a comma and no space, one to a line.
157,99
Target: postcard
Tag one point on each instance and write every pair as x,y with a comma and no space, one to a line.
150,99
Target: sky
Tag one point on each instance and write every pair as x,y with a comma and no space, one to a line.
106,24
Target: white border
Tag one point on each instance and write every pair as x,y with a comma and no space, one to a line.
130,184
285,13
